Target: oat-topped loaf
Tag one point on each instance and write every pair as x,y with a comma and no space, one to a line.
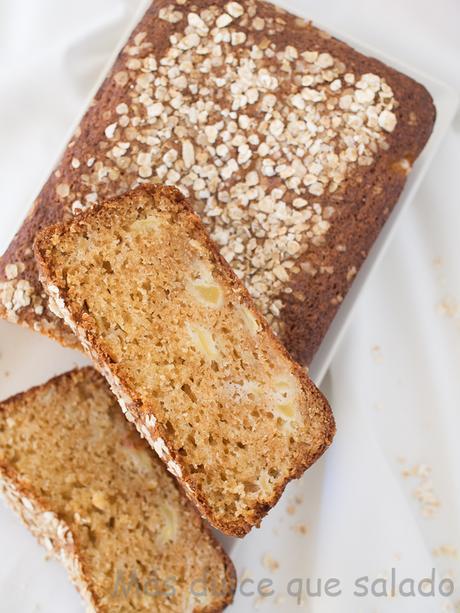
294,146
194,365
92,492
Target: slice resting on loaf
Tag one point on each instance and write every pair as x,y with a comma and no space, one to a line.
91,491
294,146
193,363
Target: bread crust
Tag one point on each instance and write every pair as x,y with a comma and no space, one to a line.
311,299
56,537
132,405
52,531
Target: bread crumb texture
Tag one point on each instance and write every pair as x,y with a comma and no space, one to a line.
293,146
193,363
93,493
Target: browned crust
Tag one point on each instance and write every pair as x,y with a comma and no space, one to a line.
80,322
9,483
314,301
362,208
11,480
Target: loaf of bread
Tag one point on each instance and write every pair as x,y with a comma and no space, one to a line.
193,364
94,495
294,146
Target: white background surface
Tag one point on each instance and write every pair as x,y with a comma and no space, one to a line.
394,384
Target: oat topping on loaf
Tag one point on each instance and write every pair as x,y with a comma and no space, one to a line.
94,495
294,147
194,365
257,177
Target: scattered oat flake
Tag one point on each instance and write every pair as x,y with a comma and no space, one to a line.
223,20
11,271
387,120
293,503
377,354
234,9
301,528
449,307
447,551
63,190
110,130
270,563
246,574
424,492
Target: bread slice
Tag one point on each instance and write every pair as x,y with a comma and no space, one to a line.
193,364
91,491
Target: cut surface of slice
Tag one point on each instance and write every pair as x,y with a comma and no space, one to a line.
91,491
193,363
